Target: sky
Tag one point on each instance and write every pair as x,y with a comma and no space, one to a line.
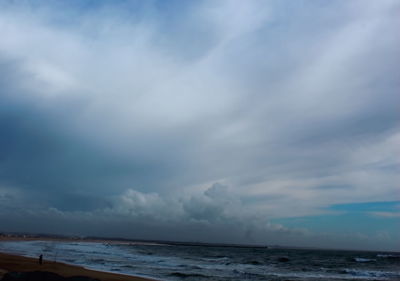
228,121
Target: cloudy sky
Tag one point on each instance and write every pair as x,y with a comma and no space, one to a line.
230,121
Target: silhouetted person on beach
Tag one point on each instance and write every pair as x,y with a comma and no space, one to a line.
40,259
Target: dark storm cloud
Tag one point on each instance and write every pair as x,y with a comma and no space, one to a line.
41,154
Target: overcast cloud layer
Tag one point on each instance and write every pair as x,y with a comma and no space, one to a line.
198,120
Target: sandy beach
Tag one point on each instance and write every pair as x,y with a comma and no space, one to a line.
9,263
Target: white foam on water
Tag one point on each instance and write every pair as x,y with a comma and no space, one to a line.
388,256
372,274
364,260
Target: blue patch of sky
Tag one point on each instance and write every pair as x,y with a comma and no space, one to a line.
64,13
126,8
352,218
387,206
73,11
171,18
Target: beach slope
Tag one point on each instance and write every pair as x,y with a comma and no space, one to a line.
9,263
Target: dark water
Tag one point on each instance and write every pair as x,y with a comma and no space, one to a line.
218,263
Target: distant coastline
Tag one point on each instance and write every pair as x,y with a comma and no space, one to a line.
19,236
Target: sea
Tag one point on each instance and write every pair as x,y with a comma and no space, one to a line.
206,263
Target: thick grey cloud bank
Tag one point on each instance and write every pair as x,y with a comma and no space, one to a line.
192,122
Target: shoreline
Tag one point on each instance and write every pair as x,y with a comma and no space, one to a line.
18,263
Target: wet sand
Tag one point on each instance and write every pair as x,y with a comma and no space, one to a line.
18,263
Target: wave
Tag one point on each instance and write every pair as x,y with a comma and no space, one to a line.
370,273
128,266
356,259
190,266
214,259
101,261
148,253
387,256
248,275
253,262
186,275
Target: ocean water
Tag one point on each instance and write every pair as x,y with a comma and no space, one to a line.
165,262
